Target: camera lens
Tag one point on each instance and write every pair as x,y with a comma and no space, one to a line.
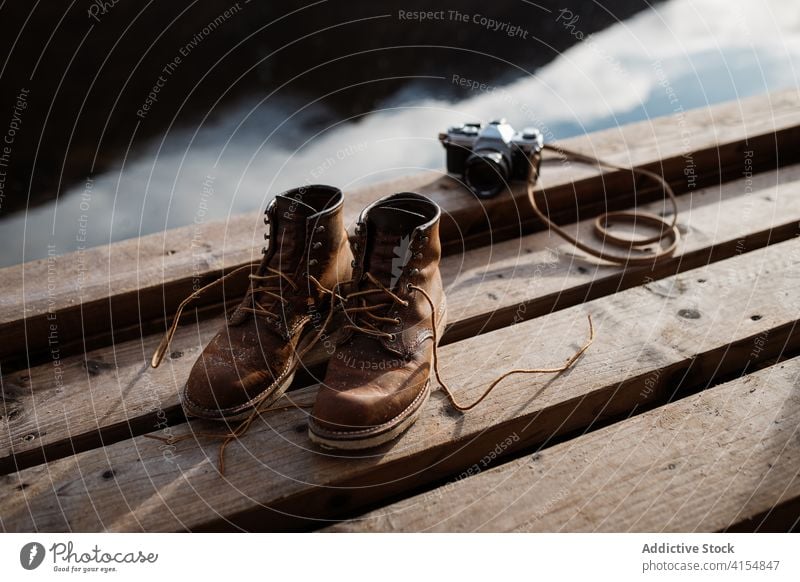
486,173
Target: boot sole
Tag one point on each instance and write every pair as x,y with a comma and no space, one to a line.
379,435
376,436
317,355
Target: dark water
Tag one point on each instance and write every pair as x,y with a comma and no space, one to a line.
678,56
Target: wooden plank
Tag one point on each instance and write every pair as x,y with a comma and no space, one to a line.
705,463
487,288
96,290
530,276
651,342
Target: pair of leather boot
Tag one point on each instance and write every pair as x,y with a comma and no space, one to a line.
373,306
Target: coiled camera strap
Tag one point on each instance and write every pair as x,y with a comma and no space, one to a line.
667,230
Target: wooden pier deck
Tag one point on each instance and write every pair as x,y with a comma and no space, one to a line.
684,415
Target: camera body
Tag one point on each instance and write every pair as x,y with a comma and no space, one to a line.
488,156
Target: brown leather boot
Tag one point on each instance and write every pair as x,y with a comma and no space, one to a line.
252,360
379,379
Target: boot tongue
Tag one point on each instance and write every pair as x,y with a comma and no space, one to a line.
389,233
288,232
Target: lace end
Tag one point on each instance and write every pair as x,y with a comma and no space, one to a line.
158,355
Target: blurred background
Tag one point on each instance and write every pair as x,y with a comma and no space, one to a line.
123,118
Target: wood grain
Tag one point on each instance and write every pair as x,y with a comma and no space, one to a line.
111,293
45,413
709,462
653,342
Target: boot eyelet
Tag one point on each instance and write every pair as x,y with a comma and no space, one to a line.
398,321
414,272
316,245
320,228
409,287
263,250
392,337
353,263
312,262
355,246
418,256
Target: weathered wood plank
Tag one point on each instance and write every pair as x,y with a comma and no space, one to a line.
516,280
533,275
651,341
705,463
97,289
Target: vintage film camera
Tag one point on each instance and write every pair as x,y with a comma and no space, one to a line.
489,156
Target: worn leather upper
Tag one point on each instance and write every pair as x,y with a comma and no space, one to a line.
371,380
254,353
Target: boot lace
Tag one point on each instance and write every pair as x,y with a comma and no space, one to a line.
266,285
449,391
272,290
368,326
162,348
368,316
258,409
367,320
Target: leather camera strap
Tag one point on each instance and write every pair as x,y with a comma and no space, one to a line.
667,229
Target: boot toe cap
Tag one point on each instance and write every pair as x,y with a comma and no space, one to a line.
217,387
361,410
